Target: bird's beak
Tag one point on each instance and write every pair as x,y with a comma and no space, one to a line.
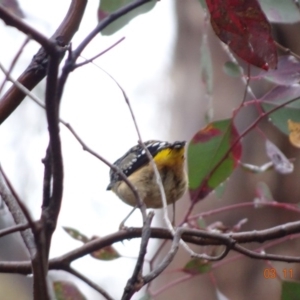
109,187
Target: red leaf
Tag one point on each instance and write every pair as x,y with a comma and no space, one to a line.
243,26
206,134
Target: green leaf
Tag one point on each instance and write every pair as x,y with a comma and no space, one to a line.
106,253
197,266
263,193
208,166
278,96
109,6
280,11
280,117
232,69
112,5
75,234
146,297
290,290
201,222
203,4
219,190
65,290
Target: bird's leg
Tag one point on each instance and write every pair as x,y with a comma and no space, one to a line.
122,224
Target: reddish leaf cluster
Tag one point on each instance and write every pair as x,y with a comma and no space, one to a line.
243,26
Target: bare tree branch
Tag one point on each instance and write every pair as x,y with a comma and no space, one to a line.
136,282
16,22
30,237
50,213
196,237
11,101
53,167
47,178
36,71
262,255
228,242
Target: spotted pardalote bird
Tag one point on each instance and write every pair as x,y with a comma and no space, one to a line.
169,159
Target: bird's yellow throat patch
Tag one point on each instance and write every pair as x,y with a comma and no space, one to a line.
169,156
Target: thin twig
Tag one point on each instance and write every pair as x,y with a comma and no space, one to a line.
73,56
167,259
21,87
289,207
270,244
93,285
287,50
190,236
104,23
14,21
273,257
87,61
13,229
135,283
14,61
113,167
